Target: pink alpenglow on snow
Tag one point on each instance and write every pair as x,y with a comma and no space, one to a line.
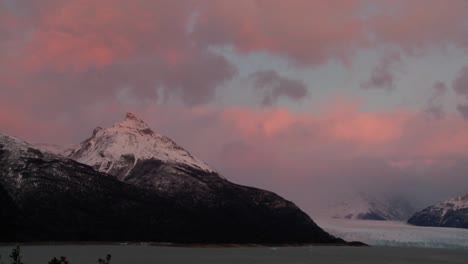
108,148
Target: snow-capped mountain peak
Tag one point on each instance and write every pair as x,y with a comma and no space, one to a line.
117,149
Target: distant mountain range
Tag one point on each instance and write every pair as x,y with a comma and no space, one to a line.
449,213
368,207
128,183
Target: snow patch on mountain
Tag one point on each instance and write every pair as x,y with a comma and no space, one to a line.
458,203
449,213
16,148
125,143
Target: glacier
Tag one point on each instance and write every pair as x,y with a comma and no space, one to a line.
395,233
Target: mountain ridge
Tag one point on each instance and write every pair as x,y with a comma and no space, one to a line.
53,198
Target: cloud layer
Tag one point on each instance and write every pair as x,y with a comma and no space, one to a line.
82,50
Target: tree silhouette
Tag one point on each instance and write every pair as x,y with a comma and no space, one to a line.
16,256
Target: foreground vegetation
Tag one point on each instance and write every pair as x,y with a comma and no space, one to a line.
16,258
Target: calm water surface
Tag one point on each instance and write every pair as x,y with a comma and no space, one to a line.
83,254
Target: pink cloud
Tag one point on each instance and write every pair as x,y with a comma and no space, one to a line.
80,52
420,24
83,51
346,125
65,52
83,33
313,32
21,123
7,22
307,31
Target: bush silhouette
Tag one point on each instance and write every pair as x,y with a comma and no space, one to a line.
105,261
16,257
62,260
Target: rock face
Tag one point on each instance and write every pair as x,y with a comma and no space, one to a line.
448,213
45,197
367,207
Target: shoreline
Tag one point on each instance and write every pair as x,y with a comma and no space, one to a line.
183,245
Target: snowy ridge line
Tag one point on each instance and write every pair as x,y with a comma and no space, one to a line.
18,146
457,203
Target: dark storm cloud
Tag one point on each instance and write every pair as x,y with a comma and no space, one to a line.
460,86
383,75
274,87
434,105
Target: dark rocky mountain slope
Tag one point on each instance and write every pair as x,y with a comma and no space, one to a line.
45,197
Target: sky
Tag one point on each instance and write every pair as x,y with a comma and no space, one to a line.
306,98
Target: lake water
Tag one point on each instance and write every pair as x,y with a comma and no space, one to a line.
130,254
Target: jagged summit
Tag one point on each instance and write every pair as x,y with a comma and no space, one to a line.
130,115
131,121
116,150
